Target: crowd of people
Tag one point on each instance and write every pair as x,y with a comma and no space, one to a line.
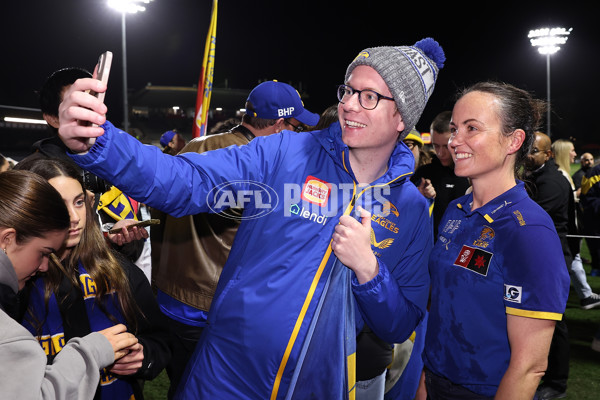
332,255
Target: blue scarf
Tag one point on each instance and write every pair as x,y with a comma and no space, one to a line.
52,337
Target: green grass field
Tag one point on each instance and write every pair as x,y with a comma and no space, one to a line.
584,374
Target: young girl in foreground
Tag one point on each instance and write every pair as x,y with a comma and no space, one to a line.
498,275
33,224
92,288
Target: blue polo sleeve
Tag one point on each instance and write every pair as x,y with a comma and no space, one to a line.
536,279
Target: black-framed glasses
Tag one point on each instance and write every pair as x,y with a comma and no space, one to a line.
368,99
297,128
410,144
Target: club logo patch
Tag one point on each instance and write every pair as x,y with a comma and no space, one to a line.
473,259
513,293
388,208
316,191
486,235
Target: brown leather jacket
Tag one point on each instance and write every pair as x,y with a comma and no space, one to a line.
188,261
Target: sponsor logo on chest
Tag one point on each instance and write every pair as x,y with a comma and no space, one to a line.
316,191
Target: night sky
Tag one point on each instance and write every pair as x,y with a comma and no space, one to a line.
307,44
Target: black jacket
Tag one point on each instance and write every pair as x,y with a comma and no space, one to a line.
590,200
447,187
548,187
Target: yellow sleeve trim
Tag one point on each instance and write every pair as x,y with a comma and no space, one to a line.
413,336
534,314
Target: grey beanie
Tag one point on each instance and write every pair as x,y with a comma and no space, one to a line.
410,72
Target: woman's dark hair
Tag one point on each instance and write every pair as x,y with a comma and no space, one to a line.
328,117
30,205
517,109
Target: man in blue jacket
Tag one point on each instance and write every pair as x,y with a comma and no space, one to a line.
309,264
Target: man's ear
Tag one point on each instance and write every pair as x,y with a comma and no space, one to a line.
516,141
401,124
279,125
52,120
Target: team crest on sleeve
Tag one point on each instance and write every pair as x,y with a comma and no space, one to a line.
512,293
474,259
316,191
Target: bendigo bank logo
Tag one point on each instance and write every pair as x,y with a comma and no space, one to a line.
242,195
474,259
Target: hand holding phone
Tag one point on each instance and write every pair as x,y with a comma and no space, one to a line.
142,224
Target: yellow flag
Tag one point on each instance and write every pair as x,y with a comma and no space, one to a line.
206,76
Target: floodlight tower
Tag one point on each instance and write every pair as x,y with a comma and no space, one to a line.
548,41
126,7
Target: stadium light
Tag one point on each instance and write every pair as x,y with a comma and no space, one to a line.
548,42
126,7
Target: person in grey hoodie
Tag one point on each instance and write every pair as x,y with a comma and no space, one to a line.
33,224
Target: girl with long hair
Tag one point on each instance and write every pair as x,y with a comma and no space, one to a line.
33,225
91,287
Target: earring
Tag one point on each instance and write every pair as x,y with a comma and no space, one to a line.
4,250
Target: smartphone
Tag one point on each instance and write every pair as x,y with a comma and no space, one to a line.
147,222
104,63
103,68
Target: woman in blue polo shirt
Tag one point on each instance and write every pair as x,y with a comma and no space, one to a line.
498,275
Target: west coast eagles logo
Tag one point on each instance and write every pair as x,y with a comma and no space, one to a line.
485,237
388,208
384,244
